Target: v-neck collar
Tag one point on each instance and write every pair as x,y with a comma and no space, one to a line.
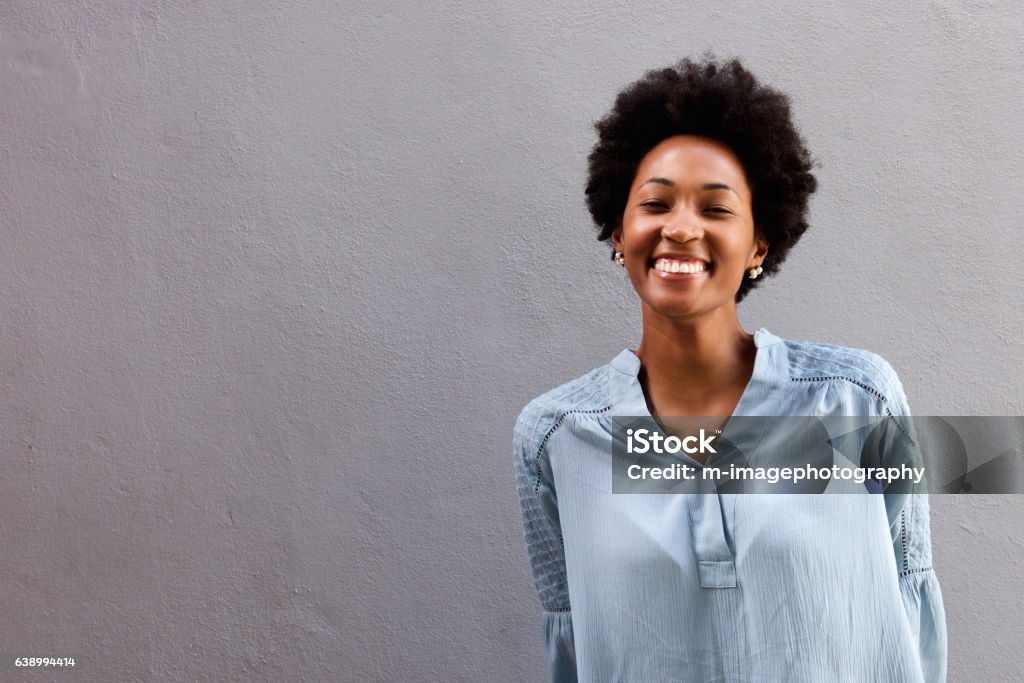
760,397
757,398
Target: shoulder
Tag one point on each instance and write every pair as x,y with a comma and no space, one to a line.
811,361
588,393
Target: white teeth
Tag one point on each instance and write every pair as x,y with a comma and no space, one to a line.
667,266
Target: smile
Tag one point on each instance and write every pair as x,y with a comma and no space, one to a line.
672,266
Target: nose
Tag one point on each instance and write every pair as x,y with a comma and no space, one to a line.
682,229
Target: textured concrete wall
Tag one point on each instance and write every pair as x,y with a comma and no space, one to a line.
278,276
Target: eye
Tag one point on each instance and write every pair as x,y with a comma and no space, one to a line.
718,209
654,204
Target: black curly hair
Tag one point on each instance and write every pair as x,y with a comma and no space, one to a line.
718,100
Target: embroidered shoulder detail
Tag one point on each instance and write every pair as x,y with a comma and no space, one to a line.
863,368
543,415
814,361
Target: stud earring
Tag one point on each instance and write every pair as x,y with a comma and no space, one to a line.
754,272
620,258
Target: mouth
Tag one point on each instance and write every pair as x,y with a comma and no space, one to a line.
669,268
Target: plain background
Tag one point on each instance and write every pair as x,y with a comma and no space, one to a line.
277,278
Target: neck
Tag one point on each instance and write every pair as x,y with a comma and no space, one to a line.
700,359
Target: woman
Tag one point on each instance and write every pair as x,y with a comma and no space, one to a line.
700,181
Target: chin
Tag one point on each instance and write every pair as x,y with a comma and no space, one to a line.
678,310
680,306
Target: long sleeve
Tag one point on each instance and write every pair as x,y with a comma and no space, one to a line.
543,536
559,647
909,517
919,588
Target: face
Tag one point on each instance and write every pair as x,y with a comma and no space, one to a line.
688,233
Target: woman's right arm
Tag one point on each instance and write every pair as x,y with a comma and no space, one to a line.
543,535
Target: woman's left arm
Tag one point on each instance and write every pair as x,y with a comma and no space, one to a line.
910,525
919,588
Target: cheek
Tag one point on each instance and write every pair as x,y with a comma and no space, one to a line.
740,245
637,231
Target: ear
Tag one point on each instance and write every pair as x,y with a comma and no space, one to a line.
760,246
617,238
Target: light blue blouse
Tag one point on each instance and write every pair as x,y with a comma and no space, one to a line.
725,587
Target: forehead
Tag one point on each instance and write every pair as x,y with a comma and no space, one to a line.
689,157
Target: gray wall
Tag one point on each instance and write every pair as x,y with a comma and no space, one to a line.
278,276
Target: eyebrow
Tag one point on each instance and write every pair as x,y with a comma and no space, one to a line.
707,186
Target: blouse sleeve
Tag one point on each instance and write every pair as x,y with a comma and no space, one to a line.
919,588
907,507
543,536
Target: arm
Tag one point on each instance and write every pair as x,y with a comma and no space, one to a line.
911,532
919,588
543,536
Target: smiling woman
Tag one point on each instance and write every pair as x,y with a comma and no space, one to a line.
700,181
687,235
